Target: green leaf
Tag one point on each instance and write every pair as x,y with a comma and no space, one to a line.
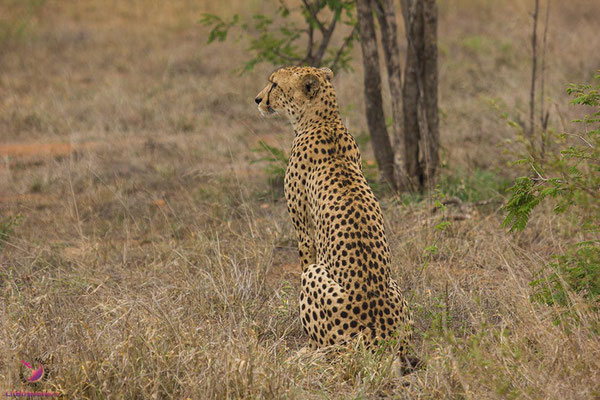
442,226
431,250
220,28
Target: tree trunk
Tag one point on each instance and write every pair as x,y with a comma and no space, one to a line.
389,36
430,79
373,99
410,91
421,123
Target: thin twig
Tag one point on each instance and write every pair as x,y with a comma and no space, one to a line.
540,177
310,44
580,137
445,324
79,228
544,116
3,242
533,72
285,56
313,15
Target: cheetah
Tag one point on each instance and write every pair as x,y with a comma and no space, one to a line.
346,289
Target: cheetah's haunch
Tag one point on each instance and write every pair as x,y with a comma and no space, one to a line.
346,284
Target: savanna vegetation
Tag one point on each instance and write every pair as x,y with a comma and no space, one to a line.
146,250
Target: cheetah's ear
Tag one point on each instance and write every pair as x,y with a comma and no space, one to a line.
310,85
327,72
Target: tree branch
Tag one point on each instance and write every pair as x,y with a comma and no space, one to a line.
309,49
308,7
347,40
285,56
325,41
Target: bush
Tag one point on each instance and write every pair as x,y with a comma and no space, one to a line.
572,177
7,227
577,270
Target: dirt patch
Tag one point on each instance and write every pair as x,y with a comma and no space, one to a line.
289,272
34,150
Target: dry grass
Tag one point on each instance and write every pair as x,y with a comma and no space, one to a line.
152,259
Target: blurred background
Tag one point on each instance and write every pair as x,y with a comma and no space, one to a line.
80,72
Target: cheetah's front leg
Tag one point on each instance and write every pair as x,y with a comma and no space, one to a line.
303,227
306,251
306,246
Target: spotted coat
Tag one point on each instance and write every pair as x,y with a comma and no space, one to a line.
346,286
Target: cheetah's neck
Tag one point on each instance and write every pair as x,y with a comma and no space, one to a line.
322,113
310,126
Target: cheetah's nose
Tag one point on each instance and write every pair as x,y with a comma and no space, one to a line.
258,100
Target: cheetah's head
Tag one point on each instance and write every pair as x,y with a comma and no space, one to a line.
293,89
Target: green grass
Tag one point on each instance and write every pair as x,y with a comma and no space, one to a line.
477,185
7,228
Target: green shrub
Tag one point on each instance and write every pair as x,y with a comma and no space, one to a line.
7,227
577,270
276,162
572,177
